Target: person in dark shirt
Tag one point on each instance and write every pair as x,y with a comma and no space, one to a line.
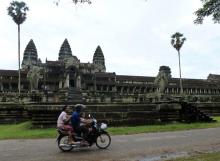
78,122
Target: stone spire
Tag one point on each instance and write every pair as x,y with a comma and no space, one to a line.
99,60
65,50
30,55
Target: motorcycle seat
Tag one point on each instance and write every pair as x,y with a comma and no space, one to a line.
62,131
65,132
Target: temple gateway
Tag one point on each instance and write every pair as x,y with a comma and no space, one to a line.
69,80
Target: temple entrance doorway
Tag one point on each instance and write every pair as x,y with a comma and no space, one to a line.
72,83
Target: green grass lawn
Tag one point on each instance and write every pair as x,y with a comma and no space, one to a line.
200,157
162,128
25,130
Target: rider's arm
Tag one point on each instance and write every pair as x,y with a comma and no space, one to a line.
66,119
85,121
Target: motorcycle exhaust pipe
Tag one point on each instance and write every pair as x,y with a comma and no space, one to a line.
67,145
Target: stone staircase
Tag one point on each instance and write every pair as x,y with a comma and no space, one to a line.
74,95
190,113
71,94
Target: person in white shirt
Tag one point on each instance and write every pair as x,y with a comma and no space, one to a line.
63,122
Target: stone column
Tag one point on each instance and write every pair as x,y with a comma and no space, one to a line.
134,88
78,82
10,87
122,89
1,86
95,87
128,89
114,89
60,84
67,82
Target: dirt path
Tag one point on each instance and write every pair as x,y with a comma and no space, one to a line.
143,147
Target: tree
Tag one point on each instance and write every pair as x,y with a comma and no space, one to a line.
81,1
75,1
177,41
210,7
17,10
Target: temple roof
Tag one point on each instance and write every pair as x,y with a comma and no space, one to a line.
193,83
135,78
53,63
10,72
105,74
65,50
98,50
30,51
214,77
98,55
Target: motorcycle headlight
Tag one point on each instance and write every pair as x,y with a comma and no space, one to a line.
95,121
103,126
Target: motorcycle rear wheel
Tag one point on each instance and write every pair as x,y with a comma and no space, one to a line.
63,144
103,141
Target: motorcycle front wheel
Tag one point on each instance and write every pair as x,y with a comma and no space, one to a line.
63,144
103,141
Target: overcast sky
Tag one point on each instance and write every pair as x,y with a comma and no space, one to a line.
133,34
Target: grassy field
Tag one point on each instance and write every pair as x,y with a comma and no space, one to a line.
201,157
162,128
25,131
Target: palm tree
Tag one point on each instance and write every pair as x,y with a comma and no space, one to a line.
177,41
74,1
82,1
17,10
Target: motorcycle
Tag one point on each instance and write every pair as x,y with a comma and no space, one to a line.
97,135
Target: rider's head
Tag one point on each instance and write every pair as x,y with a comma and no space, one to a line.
65,108
79,107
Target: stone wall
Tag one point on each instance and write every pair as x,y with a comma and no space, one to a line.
114,114
13,113
213,109
45,115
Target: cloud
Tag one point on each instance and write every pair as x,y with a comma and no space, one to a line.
134,35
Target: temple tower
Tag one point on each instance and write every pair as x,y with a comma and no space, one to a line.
30,57
65,50
99,60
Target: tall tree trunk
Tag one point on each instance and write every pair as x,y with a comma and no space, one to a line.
181,83
19,72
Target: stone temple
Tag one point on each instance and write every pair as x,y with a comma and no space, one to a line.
69,80
115,99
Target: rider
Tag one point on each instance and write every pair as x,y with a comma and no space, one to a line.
63,122
78,122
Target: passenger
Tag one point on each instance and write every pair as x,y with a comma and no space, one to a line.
63,122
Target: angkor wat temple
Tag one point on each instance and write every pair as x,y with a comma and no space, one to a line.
68,79
115,99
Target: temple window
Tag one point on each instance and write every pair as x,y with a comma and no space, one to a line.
98,88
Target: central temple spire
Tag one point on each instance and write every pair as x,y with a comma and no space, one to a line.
30,55
99,60
65,50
